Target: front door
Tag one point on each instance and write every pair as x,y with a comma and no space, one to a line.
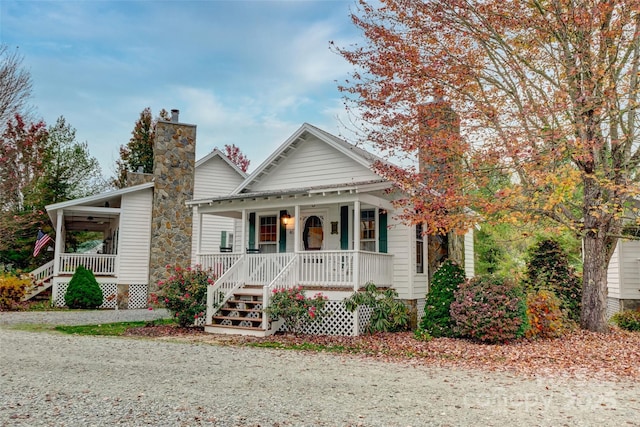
313,232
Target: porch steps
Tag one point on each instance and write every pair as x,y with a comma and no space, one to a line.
241,315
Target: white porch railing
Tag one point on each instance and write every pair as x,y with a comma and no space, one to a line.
99,264
218,263
224,287
43,273
286,279
352,269
375,267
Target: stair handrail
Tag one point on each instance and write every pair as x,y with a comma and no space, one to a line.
283,280
223,288
43,273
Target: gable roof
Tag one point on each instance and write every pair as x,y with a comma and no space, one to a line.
97,198
217,153
357,154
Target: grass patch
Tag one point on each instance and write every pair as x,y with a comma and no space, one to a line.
110,329
306,346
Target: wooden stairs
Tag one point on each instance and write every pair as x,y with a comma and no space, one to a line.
240,315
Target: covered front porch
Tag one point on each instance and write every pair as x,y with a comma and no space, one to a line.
101,219
332,241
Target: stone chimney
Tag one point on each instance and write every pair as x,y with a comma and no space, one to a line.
173,171
440,126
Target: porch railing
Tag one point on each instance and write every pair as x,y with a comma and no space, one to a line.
99,264
351,269
286,279
375,267
224,286
43,273
263,268
218,263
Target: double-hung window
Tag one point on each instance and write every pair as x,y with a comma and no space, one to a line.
268,234
419,249
368,230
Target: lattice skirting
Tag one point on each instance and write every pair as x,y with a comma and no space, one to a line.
138,297
113,297
340,322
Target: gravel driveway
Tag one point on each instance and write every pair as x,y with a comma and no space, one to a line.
49,379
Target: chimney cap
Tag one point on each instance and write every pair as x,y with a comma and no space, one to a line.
174,115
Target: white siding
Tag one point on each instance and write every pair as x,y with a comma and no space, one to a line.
400,241
629,258
613,274
213,178
313,163
469,255
135,237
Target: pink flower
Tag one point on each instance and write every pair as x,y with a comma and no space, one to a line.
150,308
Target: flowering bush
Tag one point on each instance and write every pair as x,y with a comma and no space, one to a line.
490,309
12,289
292,306
545,315
184,293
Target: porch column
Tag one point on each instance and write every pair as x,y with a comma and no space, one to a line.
296,229
356,244
59,243
243,237
199,244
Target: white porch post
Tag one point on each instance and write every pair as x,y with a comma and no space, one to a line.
244,244
356,244
199,246
59,247
296,229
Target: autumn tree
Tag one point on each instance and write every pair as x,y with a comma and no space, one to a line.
544,91
137,154
22,156
234,154
39,166
15,84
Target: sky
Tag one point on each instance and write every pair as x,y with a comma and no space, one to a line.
248,73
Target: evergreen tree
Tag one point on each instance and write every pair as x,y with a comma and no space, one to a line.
138,153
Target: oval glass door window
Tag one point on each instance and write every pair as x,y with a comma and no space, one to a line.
312,235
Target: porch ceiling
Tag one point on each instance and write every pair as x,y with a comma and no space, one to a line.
78,220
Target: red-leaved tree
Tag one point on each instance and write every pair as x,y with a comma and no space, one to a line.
545,94
234,154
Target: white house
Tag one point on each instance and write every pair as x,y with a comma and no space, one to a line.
126,265
315,215
623,277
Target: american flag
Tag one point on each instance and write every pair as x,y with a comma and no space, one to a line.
41,242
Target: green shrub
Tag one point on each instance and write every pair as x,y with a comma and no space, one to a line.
445,281
12,289
628,320
545,316
184,293
292,306
489,309
83,290
548,268
389,314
